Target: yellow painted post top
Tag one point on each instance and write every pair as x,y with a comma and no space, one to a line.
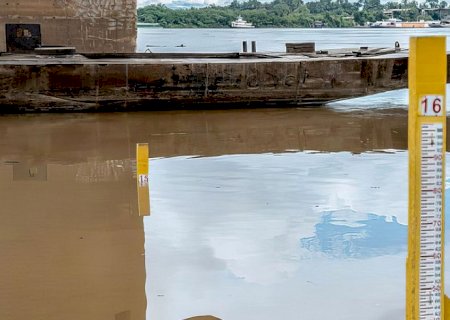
427,75
427,66
142,170
142,158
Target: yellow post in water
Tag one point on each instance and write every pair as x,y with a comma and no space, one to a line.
142,179
426,144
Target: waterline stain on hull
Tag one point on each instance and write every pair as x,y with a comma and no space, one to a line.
30,83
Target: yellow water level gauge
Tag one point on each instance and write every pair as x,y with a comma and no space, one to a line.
142,179
426,144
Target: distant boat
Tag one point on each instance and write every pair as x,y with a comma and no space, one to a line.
415,24
391,23
148,25
241,23
439,24
317,24
397,23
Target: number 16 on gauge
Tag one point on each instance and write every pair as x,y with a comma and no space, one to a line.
431,105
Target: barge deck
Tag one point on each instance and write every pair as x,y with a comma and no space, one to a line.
148,81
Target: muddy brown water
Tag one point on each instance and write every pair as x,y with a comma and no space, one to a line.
256,214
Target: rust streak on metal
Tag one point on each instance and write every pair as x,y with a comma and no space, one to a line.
140,81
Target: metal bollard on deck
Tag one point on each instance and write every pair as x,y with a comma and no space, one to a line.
253,46
244,46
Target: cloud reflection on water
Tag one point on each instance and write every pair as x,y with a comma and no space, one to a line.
224,236
350,234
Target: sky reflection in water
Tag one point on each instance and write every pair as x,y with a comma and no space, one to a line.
278,236
240,233
349,234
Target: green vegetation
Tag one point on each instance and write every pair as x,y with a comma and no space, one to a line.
289,13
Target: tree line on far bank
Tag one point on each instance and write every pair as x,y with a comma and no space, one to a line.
289,13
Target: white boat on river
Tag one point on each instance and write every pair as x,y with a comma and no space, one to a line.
439,24
391,23
241,23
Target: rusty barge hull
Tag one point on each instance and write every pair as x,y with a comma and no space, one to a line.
31,83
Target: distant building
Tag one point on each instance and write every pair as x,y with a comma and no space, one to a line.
394,13
438,13
87,25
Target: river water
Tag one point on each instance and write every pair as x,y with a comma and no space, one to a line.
295,213
270,40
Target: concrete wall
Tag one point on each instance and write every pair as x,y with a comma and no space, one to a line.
88,25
